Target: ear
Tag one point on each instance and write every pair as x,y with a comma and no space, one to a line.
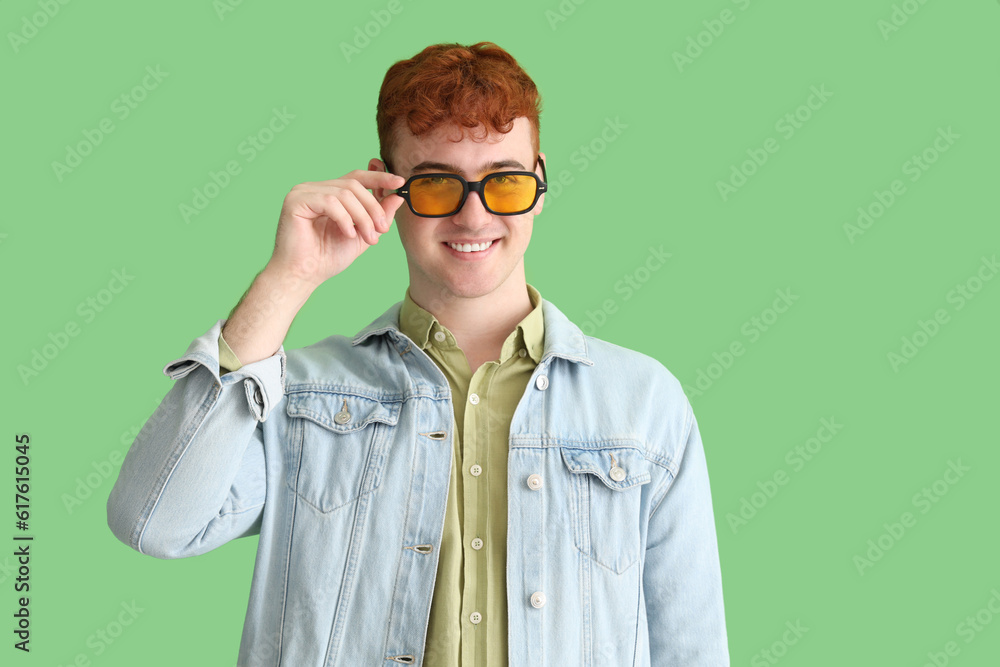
541,200
377,165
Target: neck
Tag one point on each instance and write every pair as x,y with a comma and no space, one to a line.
481,323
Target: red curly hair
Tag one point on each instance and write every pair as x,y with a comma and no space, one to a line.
471,86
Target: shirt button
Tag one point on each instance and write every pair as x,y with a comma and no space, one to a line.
618,474
542,382
476,470
440,336
474,399
522,353
538,599
477,544
534,482
475,617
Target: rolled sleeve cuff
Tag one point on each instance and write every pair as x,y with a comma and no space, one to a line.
263,381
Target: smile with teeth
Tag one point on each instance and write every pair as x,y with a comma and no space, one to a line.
473,247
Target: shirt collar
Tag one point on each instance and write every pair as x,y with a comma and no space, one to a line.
563,338
418,325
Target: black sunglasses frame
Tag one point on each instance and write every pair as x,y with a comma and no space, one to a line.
541,186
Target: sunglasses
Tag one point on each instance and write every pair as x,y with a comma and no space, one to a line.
502,193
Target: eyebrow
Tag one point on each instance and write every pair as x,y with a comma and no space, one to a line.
489,167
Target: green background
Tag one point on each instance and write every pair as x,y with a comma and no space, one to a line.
685,127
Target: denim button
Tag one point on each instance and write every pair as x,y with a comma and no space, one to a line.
538,599
344,415
618,474
534,482
476,470
477,544
542,382
476,617
474,399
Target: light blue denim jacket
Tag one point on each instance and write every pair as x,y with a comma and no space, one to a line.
338,455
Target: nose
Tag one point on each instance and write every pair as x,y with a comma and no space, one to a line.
473,215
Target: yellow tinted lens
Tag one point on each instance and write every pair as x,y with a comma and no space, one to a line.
510,194
436,195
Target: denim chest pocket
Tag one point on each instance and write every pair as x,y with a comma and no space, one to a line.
607,494
338,446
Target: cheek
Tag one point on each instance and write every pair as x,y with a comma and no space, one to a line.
412,234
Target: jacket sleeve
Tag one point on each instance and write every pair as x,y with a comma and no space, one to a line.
682,577
194,478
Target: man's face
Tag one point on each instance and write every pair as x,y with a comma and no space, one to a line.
438,271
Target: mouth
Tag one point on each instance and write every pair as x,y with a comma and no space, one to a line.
470,248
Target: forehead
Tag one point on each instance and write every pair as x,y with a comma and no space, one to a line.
468,150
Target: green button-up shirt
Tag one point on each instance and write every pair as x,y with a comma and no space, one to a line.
468,621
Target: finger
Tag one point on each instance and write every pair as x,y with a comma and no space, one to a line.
371,205
390,205
331,207
377,179
362,221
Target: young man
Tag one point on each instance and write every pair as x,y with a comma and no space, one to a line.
470,480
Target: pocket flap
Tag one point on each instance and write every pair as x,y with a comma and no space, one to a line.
634,469
340,412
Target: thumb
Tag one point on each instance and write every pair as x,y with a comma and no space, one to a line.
390,205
